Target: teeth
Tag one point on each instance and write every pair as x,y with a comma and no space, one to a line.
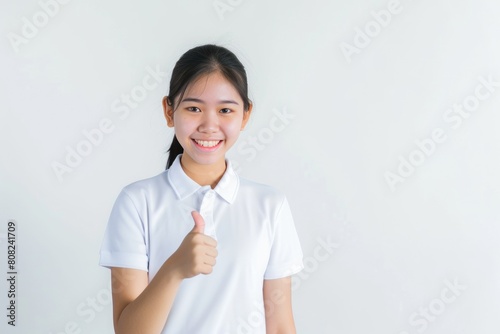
207,143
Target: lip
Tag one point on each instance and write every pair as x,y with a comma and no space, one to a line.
207,149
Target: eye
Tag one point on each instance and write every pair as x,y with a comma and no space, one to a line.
226,111
196,109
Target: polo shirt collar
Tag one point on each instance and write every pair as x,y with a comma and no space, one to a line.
184,186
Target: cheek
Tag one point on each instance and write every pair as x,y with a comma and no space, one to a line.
183,128
233,130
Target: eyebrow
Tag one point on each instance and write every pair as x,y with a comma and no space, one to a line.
193,99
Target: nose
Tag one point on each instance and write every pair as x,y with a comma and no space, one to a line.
209,122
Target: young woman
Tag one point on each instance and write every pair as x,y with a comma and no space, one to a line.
200,217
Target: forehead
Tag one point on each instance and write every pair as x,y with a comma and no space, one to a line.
211,87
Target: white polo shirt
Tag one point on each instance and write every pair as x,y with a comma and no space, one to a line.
256,240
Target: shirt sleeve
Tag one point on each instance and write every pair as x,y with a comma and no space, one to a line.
125,237
286,252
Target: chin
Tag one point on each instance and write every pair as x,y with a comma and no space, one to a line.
207,160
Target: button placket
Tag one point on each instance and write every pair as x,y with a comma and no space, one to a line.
206,211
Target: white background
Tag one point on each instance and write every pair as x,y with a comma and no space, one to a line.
353,119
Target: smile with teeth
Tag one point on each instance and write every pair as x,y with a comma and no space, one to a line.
207,143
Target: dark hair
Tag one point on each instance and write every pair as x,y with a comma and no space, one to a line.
199,61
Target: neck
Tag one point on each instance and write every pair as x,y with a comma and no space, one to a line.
203,174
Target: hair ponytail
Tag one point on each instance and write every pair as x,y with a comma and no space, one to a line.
174,150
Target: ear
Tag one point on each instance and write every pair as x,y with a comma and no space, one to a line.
246,116
168,111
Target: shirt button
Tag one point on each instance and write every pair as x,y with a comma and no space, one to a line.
210,194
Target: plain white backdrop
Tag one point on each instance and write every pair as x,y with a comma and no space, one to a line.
378,119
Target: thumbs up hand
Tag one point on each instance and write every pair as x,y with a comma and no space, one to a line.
197,252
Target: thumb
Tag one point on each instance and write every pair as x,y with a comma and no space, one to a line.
199,223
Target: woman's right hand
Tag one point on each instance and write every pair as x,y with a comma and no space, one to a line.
197,252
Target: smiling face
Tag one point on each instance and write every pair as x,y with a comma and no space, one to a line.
208,120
